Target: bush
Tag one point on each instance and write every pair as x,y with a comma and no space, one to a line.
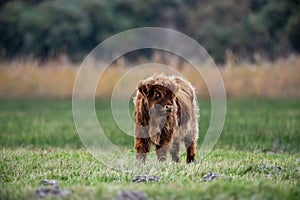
46,29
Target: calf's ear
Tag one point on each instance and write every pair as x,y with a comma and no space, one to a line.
142,88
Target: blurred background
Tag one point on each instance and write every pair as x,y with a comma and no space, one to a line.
256,43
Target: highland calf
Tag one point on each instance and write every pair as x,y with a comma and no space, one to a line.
166,113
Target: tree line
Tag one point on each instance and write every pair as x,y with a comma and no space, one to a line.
46,29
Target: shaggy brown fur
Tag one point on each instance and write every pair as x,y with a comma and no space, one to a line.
166,113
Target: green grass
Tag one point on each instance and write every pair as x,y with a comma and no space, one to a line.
38,140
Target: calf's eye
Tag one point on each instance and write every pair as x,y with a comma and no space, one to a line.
157,95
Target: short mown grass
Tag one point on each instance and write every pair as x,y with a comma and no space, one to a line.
258,154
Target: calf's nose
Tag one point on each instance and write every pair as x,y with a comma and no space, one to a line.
168,108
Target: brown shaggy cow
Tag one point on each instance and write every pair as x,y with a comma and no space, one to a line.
166,113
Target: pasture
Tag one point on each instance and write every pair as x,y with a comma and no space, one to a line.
258,154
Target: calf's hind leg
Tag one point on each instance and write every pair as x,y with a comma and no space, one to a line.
190,150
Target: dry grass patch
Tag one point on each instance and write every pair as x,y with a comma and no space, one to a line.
55,79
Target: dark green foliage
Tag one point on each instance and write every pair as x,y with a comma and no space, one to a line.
47,29
293,30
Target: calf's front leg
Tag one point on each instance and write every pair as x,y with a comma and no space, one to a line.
142,147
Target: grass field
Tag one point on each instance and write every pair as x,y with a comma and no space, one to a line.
258,153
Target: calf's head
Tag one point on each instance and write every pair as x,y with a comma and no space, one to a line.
159,96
